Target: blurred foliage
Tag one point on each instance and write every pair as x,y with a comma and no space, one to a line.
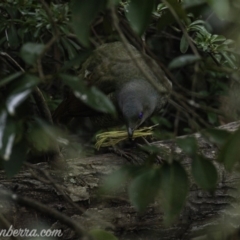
44,47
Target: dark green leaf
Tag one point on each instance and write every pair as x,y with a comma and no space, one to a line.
98,234
184,44
221,7
183,61
13,37
116,180
144,188
44,137
20,92
30,52
113,2
76,61
10,78
204,172
178,9
188,145
139,14
90,96
16,159
230,152
83,13
165,20
174,189
217,136
70,49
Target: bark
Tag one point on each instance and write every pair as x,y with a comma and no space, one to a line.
80,184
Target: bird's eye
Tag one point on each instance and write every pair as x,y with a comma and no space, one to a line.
140,115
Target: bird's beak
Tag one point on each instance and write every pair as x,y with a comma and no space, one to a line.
130,132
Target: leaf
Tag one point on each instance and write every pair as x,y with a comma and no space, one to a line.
30,52
139,14
204,172
165,20
217,136
20,92
69,48
230,153
10,78
173,189
221,7
13,37
144,188
212,117
7,135
178,9
188,145
115,180
44,137
98,234
83,13
183,61
90,96
113,2
16,159
184,44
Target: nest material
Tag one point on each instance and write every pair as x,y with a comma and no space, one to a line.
107,139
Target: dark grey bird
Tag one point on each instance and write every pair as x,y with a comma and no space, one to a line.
114,72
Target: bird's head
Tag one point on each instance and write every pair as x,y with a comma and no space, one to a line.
137,101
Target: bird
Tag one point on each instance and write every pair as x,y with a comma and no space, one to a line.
113,71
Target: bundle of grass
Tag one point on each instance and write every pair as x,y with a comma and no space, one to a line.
107,139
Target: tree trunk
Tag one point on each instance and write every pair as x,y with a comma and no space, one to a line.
80,184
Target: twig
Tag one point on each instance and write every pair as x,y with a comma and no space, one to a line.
194,49
44,209
42,105
15,62
131,54
148,77
6,224
50,43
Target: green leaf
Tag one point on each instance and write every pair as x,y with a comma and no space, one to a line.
183,61
230,152
90,96
13,37
72,53
44,137
113,2
116,180
139,14
204,172
221,7
20,92
184,44
217,136
178,9
212,117
173,189
98,234
30,52
16,159
10,78
165,20
188,145
83,13
144,188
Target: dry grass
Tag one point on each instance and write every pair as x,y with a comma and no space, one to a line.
107,139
